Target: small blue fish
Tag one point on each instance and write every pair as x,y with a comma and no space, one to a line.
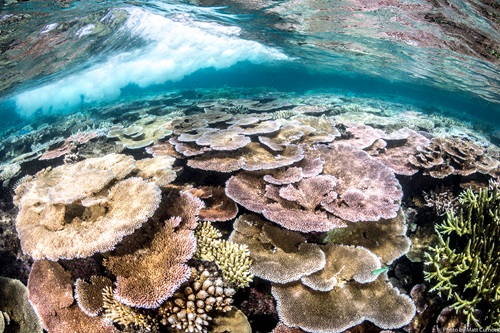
380,270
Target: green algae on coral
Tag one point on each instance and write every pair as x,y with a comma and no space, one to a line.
464,265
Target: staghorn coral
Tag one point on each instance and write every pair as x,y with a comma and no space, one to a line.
278,255
124,315
50,290
188,310
232,259
463,266
16,313
151,274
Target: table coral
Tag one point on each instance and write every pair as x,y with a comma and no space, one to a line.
76,210
50,290
150,275
464,265
343,307
278,255
454,155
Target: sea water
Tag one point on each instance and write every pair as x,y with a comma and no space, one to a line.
162,46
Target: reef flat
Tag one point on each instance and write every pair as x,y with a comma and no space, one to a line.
248,210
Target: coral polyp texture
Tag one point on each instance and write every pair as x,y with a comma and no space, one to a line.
454,156
463,267
190,306
150,275
50,290
76,210
232,259
353,186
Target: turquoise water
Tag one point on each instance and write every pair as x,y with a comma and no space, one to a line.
95,51
326,138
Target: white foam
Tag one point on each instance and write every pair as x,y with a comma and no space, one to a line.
176,48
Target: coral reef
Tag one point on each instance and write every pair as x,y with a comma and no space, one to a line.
463,266
16,313
232,259
217,205
454,155
343,307
278,255
151,274
50,290
368,190
72,211
142,133
188,309
315,223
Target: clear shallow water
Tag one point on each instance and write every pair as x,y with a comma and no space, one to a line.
60,58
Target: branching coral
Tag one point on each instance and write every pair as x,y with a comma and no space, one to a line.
232,259
464,265
124,315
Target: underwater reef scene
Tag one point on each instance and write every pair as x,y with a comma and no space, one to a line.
223,211
266,166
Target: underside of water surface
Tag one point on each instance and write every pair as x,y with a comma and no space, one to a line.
249,166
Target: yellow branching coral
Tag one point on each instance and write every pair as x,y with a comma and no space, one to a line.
234,262
207,237
122,314
231,258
